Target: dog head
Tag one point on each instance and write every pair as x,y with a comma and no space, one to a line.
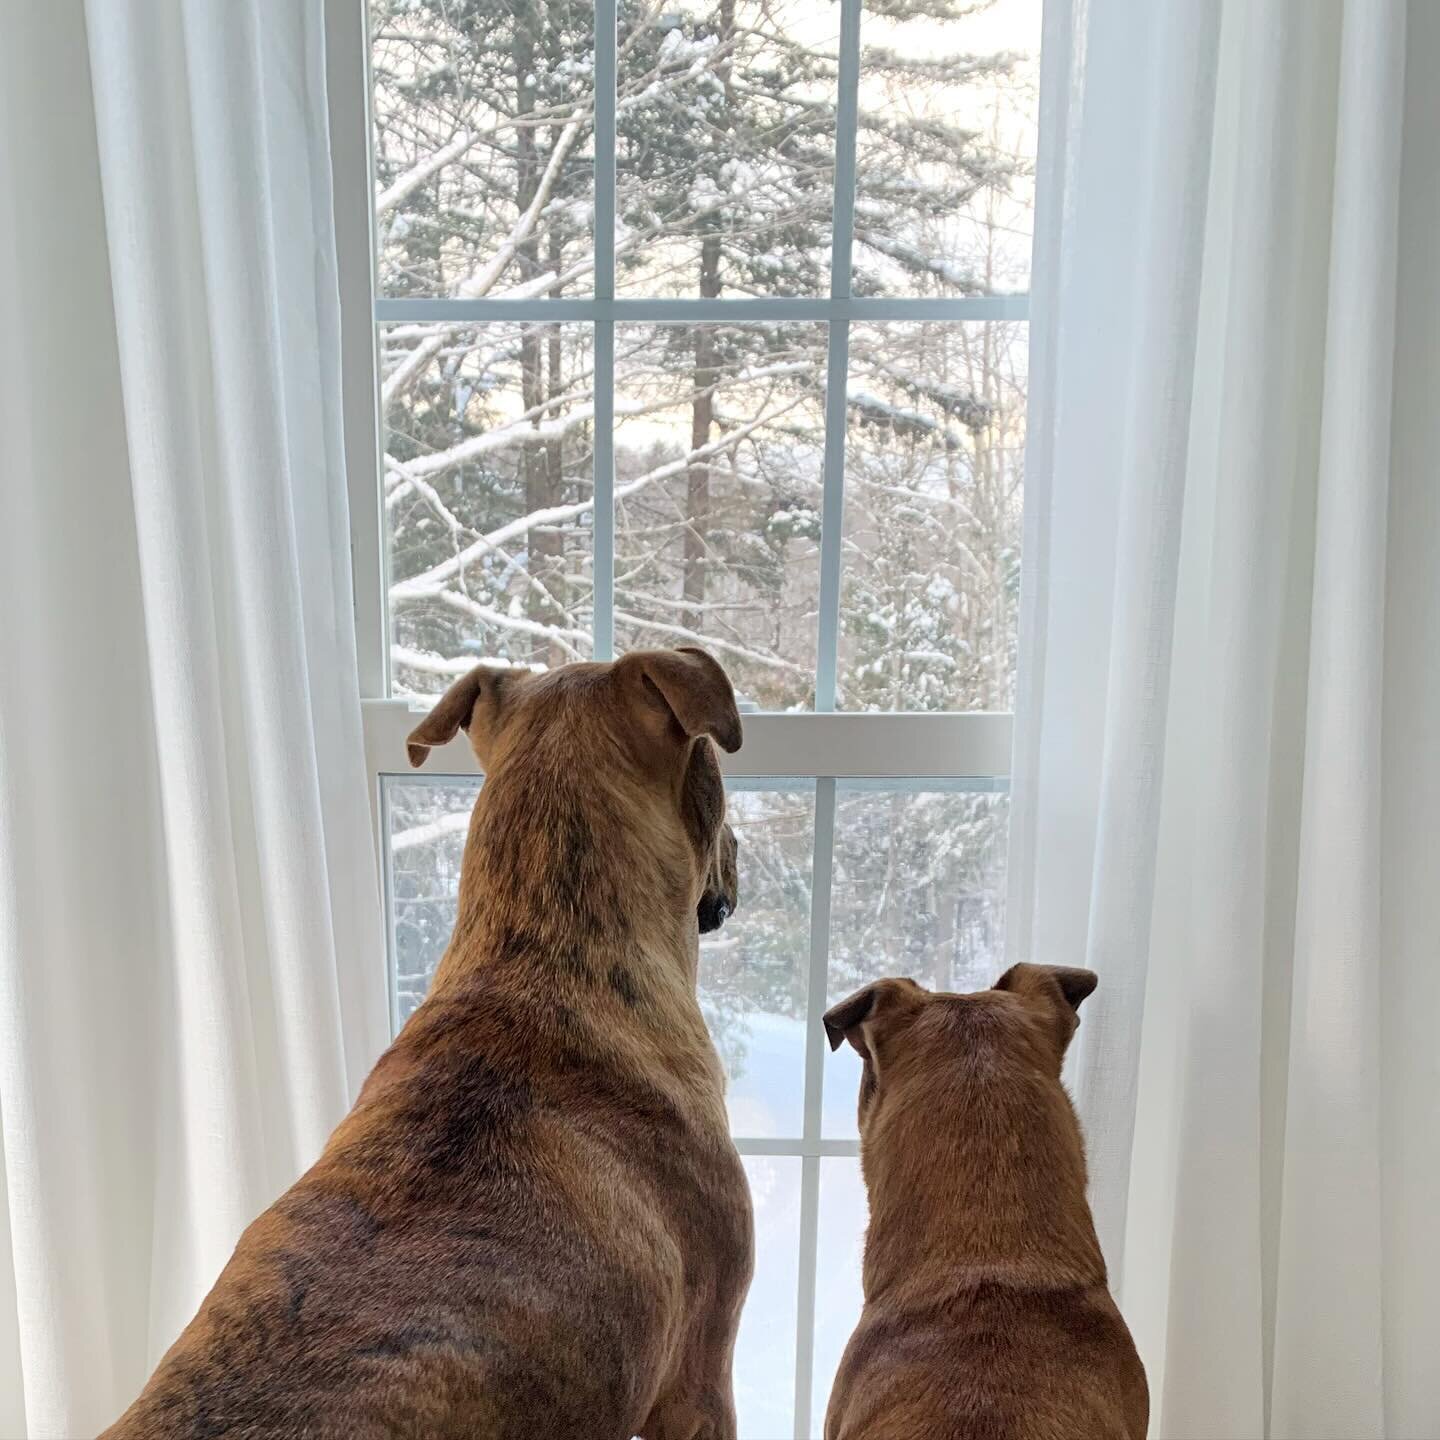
651,720
914,1041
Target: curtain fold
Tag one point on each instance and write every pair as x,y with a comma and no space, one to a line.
191,953
1225,780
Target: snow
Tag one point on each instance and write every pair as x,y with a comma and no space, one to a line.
705,195
941,590
678,48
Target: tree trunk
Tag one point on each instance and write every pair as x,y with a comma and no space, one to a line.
702,419
555,448
705,377
543,545
993,511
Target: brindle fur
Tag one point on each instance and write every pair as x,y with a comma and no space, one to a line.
533,1223
986,1312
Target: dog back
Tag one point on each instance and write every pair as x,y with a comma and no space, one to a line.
986,1311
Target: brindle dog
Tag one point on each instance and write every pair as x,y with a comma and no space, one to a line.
986,1313
533,1224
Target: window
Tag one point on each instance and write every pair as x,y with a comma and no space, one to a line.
707,322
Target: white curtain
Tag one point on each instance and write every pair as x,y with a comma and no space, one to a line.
1227,774
190,944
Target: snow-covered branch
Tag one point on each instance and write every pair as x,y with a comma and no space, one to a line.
427,582
448,666
425,490
404,375
964,280
564,637
482,281
454,823
403,186
507,437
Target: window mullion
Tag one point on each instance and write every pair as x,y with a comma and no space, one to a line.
837,365
847,124
970,747
832,516
603,537
723,309
815,992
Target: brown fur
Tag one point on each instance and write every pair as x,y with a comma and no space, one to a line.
986,1313
533,1224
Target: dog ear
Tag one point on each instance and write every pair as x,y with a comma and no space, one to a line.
685,692
474,704
870,1017
1060,988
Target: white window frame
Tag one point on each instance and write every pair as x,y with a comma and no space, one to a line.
824,746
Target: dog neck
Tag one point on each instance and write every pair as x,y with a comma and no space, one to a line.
560,872
973,1187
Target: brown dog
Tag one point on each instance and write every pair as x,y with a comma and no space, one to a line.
533,1224
986,1312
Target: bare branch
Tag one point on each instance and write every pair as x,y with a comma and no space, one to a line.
679,632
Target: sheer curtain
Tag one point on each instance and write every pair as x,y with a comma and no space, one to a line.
190,986
1227,781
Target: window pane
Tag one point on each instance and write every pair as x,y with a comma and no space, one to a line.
918,890
484,170
934,474
726,147
945,155
752,970
427,824
718,457
765,1348
489,497
426,828
838,1294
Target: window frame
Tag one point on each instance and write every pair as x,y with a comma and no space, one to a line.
825,746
